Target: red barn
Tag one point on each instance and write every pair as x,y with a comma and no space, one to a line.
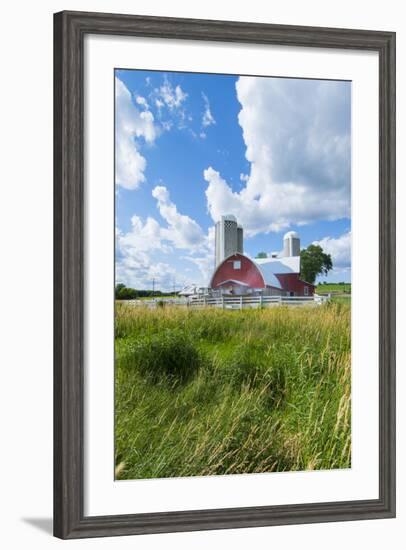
280,276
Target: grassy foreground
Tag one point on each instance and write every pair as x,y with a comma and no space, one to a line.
225,392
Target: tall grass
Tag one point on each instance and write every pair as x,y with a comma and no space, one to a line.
219,392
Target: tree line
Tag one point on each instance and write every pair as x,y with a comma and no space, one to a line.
123,292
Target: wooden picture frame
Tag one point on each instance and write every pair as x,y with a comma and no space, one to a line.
70,29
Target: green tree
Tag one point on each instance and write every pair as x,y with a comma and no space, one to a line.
261,255
124,293
119,287
313,262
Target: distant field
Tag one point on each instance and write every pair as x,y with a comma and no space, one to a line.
335,287
221,392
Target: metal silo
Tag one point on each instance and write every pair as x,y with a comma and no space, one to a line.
226,238
291,244
240,239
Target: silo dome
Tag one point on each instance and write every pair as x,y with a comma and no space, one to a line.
291,235
229,217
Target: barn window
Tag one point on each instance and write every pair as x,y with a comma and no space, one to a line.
306,291
237,264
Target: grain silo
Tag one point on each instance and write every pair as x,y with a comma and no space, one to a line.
240,239
226,238
291,244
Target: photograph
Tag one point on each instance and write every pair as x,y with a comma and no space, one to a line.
232,274
205,224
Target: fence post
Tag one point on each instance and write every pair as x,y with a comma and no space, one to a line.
240,302
222,301
260,301
204,300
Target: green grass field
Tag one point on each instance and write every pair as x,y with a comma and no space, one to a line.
341,288
224,392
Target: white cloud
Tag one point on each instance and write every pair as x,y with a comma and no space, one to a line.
141,272
173,97
167,125
182,230
203,257
140,251
131,125
253,213
142,101
169,101
136,265
339,248
143,236
297,137
208,118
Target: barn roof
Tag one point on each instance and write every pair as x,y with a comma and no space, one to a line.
287,264
269,278
270,267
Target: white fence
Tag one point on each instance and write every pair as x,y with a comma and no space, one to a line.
241,302
234,302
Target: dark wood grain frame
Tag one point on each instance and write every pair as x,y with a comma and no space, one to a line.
70,29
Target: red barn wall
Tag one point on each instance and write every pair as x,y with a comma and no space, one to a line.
248,274
291,283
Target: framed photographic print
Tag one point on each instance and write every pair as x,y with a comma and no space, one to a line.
224,274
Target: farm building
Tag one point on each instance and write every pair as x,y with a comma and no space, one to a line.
237,274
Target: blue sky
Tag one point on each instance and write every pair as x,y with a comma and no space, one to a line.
190,147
